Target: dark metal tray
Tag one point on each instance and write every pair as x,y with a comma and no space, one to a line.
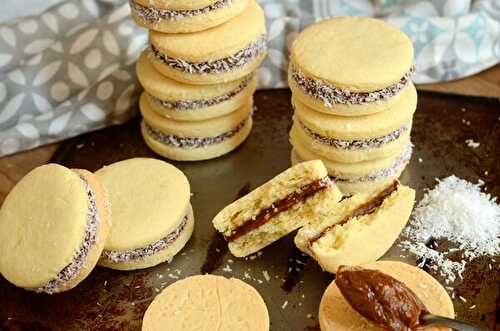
113,300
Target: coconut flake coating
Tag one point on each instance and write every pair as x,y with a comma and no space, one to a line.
390,171
237,60
151,249
329,95
187,142
198,104
153,15
360,144
73,269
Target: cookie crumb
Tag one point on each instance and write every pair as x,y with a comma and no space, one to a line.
471,143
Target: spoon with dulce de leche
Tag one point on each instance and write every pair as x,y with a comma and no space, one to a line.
388,302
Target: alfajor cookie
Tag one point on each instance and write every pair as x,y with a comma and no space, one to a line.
358,177
207,302
193,141
278,207
53,226
355,139
184,102
335,313
227,52
359,229
179,17
351,66
153,218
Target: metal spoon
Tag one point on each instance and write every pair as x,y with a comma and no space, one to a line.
429,319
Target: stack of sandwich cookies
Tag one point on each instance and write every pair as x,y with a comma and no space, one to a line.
278,207
359,229
353,100
53,226
153,218
199,85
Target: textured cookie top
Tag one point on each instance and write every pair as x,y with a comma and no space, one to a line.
171,90
200,129
42,225
176,4
149,199
336,314
358,54
216,43
359,127
207,302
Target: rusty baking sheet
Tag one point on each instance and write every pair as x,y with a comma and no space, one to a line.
114,300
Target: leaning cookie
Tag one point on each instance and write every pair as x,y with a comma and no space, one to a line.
184,102
278,207
207,302
224,53
153,218
335,313
53,226
181,17
351,66
359,229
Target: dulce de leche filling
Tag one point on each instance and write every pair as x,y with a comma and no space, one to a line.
380,298
365,209
284,204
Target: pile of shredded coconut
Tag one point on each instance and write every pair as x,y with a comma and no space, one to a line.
459,213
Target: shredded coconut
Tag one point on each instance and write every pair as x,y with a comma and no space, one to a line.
471,143
457,212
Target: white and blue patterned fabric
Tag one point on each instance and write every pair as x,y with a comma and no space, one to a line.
70,69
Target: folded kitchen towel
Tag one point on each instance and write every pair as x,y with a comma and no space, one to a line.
70,70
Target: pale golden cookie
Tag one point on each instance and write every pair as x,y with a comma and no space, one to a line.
359,229
202,57
207,302
184,102
166,17
153,218
276,208
336,314
53,226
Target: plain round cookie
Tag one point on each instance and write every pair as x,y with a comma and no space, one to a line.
149,200
206,46
358,54
336,314
36,239
189,19
159,87
207,302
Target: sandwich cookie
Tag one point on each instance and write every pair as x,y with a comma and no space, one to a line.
183,102
224,53
350,66
335,312
53,226
153,218
355,139
359,229
361,176
278,207
193,141
179,16
207,302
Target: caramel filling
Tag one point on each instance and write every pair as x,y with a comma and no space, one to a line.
365,209
284,204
